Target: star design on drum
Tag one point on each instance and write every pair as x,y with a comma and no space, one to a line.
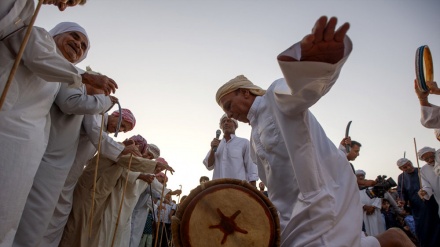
227,225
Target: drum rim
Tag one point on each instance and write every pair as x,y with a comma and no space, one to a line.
199,191
424,67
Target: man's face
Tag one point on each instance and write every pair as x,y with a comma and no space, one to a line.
112,124
237,104
360,176
261,185
203,181
354,152
228,126
148,155
407,168
62,4
72,45
429,158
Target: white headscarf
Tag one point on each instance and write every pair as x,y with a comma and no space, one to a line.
423,151
226,116
402,162
360,172
64,27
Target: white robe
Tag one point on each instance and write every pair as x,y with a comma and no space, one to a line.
140,211
431,183
57,160
311,183
25,118
232,160
87,146
374,223
108,225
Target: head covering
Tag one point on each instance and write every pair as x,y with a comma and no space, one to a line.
236,83
127,115
154,150
162,160
226,116
161,174
64,27
360,172
403,161
437,133
141,142
423,151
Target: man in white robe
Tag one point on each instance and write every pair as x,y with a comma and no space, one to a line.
25,113
87,147
66,116
430,180
371,207
311,183
229,157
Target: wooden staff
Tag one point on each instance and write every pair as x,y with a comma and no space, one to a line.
95,177
418,166
122,201
178,199
20,54
159,210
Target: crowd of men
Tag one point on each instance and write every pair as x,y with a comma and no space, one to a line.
66,182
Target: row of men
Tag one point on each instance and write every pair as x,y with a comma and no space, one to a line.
51,120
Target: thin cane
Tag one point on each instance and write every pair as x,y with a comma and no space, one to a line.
20,54
418,166
95,177
122,201
118,127
160,206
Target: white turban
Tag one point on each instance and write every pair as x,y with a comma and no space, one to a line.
423,151
360,172
226,116
64,27
238,82
402,162
154,150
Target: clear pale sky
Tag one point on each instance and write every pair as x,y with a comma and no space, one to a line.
170,57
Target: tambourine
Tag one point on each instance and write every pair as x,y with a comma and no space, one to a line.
424,67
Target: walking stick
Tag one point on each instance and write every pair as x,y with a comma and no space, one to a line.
20,53
418,166
96,175
158,212
122,201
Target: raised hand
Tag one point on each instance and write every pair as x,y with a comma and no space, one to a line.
324,44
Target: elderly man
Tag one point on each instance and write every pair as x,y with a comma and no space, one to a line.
66,117
430,180
87,146
109,173
229,158
424,212
311,183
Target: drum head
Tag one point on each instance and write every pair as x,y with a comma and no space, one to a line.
424,67
226,212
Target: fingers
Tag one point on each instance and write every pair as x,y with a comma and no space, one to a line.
319,27
329,30
341,32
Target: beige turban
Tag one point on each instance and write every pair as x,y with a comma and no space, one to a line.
425,150
402,162
238,82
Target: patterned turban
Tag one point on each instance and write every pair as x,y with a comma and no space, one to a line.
423,151
154,150
226,116
162,160
161,174
127,115
238,82
141,142
65,27
403,161
360,172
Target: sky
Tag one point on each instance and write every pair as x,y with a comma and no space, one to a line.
170,57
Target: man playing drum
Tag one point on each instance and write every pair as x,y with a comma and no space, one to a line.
310,181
